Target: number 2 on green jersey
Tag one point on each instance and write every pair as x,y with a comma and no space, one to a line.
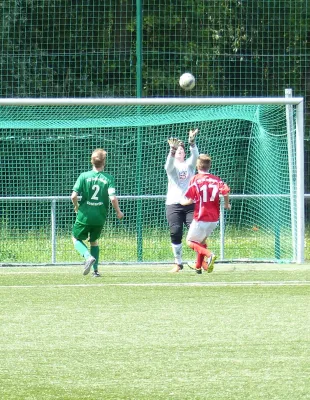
96,189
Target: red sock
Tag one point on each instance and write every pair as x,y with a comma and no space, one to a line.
200,257
200,248
199,260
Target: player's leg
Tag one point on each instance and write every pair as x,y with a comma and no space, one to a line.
204,264
94,251
195,239
80,233
175,221
94,247
188,214
194,232
208,265
188,218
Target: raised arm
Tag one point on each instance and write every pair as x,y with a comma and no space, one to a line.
192,137
193,148
174,144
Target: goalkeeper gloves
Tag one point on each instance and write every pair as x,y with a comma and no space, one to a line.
192,136
174,143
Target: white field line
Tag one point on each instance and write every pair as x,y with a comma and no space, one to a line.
169,284
65,271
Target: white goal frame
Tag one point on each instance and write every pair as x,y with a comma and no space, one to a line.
298,230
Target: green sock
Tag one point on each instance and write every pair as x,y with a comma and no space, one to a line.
82,249
94,251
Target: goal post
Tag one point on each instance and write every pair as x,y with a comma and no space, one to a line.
256,145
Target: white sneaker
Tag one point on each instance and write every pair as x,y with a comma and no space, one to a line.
88,264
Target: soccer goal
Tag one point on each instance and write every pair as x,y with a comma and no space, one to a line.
256,145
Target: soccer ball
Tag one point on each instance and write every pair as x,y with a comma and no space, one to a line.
187,81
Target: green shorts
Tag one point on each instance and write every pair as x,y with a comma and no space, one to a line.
82,232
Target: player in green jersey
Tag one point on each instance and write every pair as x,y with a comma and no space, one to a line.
96,189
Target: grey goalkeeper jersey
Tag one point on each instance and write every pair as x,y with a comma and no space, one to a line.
179,175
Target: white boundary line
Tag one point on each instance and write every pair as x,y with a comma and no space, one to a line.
169,284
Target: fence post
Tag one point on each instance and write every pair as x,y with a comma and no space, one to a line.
53,227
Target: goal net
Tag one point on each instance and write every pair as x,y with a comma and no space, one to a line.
46,144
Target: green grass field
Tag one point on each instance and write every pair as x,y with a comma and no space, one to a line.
242,332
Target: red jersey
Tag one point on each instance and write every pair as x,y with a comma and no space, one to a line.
205,190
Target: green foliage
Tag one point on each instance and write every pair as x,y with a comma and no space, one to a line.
88,49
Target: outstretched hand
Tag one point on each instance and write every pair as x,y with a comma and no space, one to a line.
192,136
174,143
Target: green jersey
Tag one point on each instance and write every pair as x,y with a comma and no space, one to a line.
95,189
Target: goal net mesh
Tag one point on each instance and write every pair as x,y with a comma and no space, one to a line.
45,148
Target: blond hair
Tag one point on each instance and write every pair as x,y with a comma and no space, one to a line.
203,162
98,158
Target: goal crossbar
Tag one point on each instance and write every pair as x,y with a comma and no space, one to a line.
151,101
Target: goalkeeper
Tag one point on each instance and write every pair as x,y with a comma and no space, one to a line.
179,172
97,189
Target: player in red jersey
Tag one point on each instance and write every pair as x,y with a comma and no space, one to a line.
204,190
